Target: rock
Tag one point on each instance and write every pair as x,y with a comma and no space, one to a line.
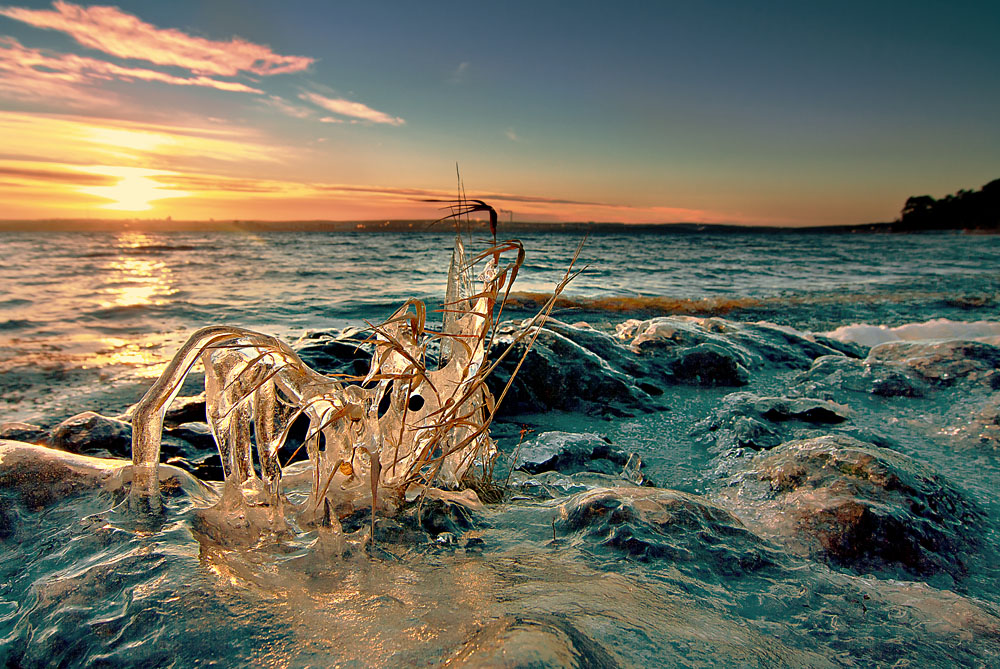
748,421
567,369
535,641
856,505
334,352
658,524
183,409
944,364
90,432
39,476
198,434
26,432
569,453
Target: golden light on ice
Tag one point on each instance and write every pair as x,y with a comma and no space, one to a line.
135,190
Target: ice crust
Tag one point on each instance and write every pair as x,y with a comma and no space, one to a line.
369,438
936,329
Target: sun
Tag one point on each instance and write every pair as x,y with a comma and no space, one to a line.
135,191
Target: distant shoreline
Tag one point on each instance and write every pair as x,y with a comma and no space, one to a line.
414,226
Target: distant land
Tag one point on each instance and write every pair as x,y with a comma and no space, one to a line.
410,226
966,210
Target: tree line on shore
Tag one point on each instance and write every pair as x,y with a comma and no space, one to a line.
964,210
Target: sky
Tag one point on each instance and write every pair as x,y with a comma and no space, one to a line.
798,113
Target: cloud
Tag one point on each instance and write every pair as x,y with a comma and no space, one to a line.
458,76
124,35
36,74
511,135
351,109
285,107
17,171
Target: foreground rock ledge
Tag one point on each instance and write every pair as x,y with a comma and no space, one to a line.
857,505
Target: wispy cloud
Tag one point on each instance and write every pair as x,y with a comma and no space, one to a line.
458,75
351,109
124,35
511,135
35,74
287,108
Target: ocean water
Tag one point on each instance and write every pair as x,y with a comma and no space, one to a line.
87,322
103,309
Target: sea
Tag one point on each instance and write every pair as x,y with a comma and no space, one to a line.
89,320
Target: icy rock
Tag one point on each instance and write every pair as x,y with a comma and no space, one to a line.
856,505
748,421
581,369
569,453
197,434
946,363
26,432
554,484
184,409
334,352
40,476
660,524
569,369
90,432
540,641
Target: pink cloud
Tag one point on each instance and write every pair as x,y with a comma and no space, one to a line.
33,74
117,33
352,109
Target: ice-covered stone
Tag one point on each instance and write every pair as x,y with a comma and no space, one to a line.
90,432
857,505
570,453
659,524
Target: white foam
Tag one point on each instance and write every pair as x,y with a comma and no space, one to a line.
934,330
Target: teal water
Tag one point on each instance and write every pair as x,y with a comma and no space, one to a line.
86,322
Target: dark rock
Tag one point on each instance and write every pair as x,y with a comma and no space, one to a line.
90,432
183,409
658,524
334,352
748,421
708,365
856,505
572,369
198,434
569,453
25,432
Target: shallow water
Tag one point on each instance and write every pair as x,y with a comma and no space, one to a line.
87,321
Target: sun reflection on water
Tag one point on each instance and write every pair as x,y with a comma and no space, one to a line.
136,281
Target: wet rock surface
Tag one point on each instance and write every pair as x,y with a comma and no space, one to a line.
90,432
570,453
26,432
574,368
746,421
539,641
653,524
856,505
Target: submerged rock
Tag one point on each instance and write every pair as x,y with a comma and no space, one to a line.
658,524
856,505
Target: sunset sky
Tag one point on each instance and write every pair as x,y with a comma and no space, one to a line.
793,113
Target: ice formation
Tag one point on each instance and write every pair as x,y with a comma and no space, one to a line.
369,438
